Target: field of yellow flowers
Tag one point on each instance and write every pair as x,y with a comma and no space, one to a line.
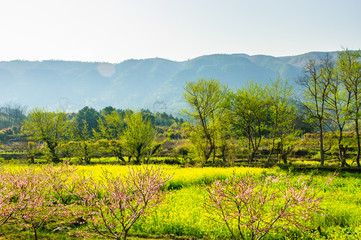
182,214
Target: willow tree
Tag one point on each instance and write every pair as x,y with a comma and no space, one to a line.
48,127
206,100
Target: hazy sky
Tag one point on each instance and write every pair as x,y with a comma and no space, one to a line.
115,30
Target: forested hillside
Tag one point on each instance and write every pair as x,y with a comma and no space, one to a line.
155,84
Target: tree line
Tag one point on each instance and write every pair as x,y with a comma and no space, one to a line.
219,115
331,102
112,132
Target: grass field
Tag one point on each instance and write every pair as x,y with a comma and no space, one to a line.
182,214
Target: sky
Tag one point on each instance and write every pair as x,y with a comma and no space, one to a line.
116,30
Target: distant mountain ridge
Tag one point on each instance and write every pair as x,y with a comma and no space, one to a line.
156,84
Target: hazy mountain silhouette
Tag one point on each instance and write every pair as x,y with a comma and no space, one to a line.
156,84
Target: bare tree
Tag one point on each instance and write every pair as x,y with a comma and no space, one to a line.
338,105
317,88
12,114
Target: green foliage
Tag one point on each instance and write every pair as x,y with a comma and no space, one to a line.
31,151
250,106
48,127
207,100
138,137
87,117
282,115
111,128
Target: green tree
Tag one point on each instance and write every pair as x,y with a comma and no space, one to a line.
88,116
107,110
250,106
139,136
206,101
223,130
83,144
282,115
349,70
31,151
111,128
48,127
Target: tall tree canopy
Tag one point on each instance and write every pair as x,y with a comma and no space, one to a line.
206,107
49,127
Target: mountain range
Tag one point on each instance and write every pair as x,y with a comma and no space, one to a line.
155,84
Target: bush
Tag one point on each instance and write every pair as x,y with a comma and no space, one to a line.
252,208
114,204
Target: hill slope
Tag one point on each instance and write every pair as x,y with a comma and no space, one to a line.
156,84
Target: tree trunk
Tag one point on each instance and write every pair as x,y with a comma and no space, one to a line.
86,154
208,154
32,159
54,156
224,154
322,153
342,153
125,235
138,155
214,154
35,233
284,158
358,143
251,156
342,150
272,150
284,153
119,154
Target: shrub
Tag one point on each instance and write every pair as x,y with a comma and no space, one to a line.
32,202
251,208
114,204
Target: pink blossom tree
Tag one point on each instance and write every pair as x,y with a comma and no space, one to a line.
8,207
34,199
251,208
62,180
114,204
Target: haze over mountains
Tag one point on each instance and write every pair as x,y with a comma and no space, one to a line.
154,84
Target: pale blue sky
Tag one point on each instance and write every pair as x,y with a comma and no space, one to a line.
115,30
